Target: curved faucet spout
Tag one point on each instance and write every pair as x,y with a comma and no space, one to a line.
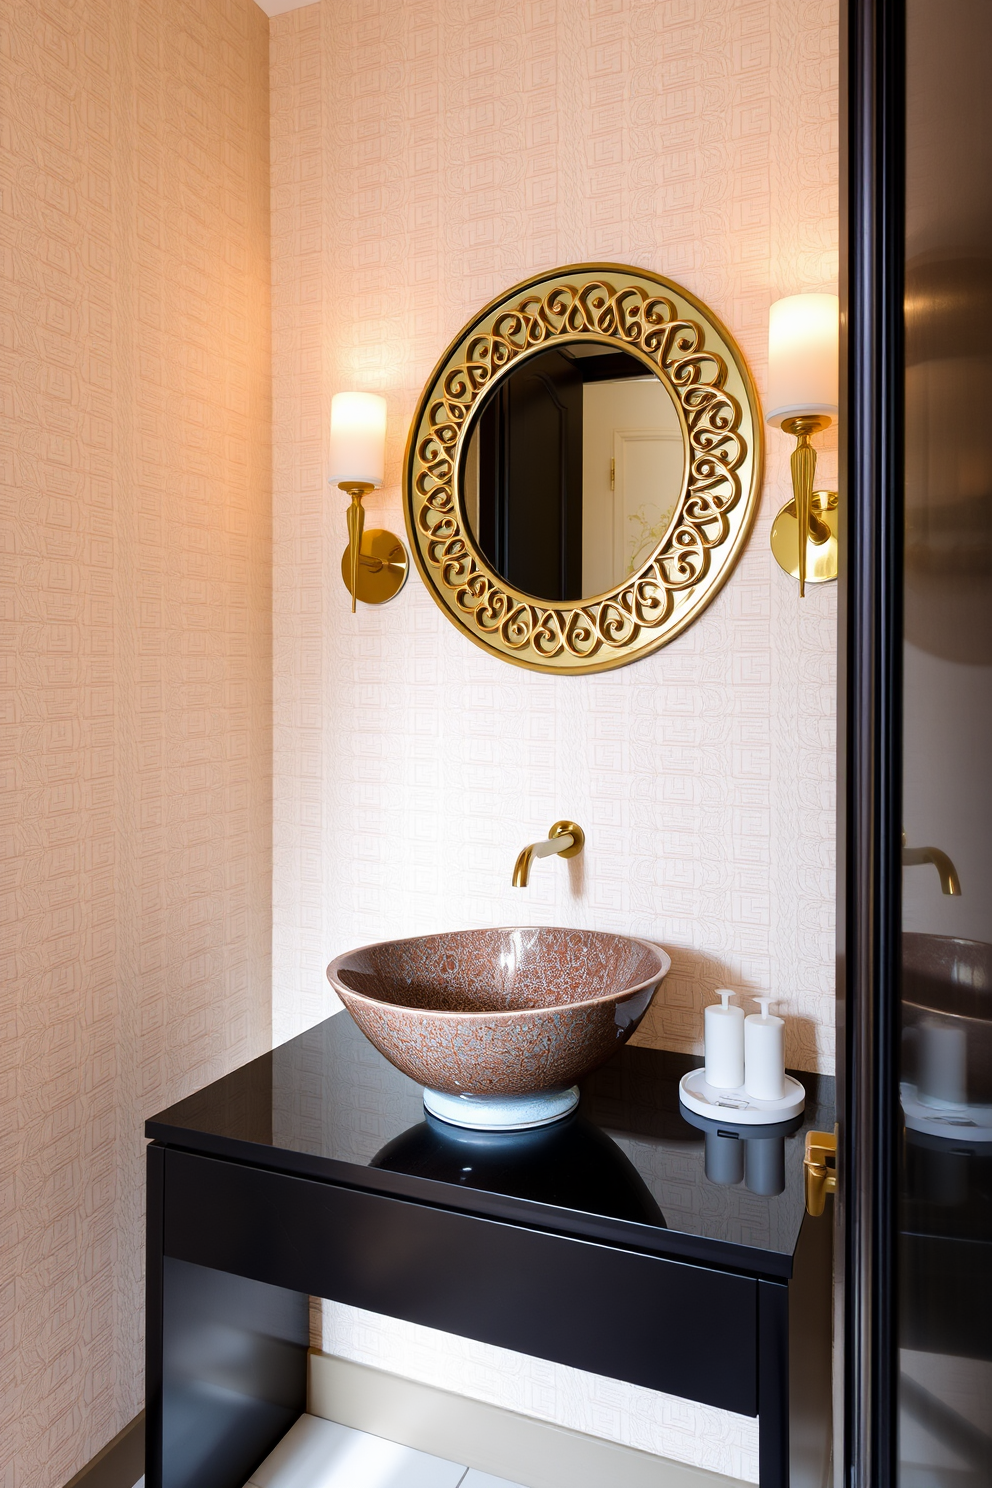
949,881
565,840
546,849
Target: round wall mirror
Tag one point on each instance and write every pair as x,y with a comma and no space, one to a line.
583,469
573,470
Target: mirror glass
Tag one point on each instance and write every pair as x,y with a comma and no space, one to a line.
573,470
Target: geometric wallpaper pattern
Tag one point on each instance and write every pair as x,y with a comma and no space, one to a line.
135,482
426,155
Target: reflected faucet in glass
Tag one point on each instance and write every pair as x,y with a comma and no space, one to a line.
912,856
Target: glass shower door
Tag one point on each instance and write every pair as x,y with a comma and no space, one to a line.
944,1308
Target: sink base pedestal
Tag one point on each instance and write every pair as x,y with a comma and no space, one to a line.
502,1112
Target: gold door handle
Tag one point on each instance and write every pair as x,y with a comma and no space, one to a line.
820,1169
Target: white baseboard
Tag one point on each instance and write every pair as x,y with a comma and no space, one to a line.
492,1440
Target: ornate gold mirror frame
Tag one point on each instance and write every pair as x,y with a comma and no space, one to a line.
702,367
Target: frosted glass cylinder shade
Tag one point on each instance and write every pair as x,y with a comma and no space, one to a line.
358,438
802,357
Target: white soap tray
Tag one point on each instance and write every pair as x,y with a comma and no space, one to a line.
952,1123
736,1105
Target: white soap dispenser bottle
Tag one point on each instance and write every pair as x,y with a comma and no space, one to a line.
723,1037
764,1054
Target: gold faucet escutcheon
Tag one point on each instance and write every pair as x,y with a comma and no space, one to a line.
566,840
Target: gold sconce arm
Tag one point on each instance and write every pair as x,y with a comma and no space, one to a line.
566,839
375,563
356,526
820,1169
812,521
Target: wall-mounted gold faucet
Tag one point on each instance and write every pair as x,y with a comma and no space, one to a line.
949,881
566,839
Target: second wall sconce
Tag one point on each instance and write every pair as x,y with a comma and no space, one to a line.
375,563
802,399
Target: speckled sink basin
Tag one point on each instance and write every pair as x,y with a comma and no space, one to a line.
499,1024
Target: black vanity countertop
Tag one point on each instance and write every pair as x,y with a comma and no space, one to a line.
627,1169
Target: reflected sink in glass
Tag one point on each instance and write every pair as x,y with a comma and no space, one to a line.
571,1163
947,1020
498,1025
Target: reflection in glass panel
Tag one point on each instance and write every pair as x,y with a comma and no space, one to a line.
572,1163
573,471
945,1284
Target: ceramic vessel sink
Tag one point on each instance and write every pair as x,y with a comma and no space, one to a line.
497,1025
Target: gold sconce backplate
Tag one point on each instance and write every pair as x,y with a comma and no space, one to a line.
821,544
582,310
382,566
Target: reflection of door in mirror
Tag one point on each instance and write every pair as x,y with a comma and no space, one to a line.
573,471
631,477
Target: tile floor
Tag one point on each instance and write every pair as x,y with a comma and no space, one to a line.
322,1454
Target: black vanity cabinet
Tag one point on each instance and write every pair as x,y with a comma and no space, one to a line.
599,1242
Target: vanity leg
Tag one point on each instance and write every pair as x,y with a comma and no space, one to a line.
810,1333
154,1202
227,1363
773,1384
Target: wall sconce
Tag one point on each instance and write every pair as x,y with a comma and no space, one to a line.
375,564
802,397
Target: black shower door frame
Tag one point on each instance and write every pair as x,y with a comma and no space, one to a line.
870,642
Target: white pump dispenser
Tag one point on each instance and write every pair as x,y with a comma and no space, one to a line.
723,1034
764,1053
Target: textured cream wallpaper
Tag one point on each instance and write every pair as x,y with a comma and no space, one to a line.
136,744
426,155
